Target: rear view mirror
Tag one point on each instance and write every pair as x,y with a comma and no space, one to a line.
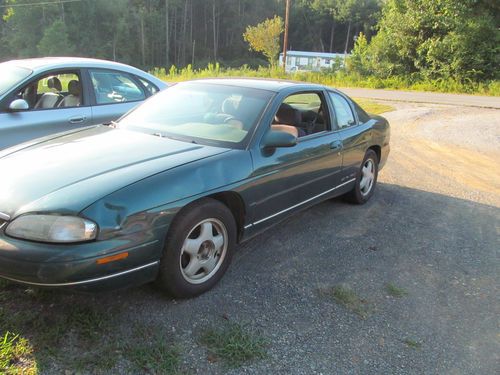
19,105
277,138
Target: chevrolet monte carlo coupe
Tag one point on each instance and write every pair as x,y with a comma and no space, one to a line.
167,192
43,96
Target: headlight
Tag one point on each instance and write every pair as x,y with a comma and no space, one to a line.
52,228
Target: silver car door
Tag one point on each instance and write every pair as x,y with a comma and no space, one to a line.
18,127
53,108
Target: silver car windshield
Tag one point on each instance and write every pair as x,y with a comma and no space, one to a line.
213,114
11,75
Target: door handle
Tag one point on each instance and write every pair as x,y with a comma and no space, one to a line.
336,145
77,119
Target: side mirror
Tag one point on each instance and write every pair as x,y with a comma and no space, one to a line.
19,105
276,138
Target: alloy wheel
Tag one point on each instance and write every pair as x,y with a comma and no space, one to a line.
203,251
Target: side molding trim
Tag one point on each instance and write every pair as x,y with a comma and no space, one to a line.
298,204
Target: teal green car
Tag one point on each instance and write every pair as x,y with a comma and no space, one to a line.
166,193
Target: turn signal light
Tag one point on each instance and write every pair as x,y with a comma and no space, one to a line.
112,258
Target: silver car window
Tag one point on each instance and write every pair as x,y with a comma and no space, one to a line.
115,87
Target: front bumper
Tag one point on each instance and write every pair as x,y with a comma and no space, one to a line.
75,266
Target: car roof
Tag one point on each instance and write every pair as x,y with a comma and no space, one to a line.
261,83
63,62
41,64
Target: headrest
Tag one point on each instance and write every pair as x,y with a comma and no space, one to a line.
288,115
54,83
74,87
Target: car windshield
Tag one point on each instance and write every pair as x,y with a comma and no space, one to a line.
213,114
10,75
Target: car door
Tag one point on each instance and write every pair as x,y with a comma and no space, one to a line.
114,93
40,120
353,134
288,178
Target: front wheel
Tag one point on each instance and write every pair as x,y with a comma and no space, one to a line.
366,179
198,249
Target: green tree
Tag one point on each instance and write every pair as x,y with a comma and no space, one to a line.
23,26
55,41
355,14
359,61
436,39
265,38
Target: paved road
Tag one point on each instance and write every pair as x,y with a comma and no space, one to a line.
425,97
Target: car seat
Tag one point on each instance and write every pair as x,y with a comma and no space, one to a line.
73,98
50,99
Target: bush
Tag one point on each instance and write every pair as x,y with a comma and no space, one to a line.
340,78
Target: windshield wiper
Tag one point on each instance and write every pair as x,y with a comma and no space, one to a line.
158,134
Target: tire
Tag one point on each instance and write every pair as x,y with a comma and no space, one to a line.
198,249
366,179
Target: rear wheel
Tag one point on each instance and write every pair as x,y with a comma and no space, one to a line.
366,179
198,249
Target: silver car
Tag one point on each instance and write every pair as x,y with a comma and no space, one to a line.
39,97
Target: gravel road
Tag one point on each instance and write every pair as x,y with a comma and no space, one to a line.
425,97
432,228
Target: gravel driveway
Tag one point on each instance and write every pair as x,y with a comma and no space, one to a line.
430,231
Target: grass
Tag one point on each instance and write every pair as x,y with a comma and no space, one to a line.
155,357
349,299
16,355
412,344
395,291
101,360
53,332
335,79
233,345
373,107
47,321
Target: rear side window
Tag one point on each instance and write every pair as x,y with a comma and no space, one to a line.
115,87
151,89
343,112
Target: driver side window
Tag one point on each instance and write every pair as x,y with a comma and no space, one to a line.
301,115
57,90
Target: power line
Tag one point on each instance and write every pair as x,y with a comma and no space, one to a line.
42,3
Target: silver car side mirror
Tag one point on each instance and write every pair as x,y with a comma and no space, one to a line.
19,105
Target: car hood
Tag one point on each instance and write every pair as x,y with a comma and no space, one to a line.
71,171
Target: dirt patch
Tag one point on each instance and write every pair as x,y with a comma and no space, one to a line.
448,150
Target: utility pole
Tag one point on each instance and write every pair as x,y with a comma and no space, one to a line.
192,55
285,39
167,39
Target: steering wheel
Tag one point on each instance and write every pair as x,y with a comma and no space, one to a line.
228,118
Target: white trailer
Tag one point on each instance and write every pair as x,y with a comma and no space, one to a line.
306,61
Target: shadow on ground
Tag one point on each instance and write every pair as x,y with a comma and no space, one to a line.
441,251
